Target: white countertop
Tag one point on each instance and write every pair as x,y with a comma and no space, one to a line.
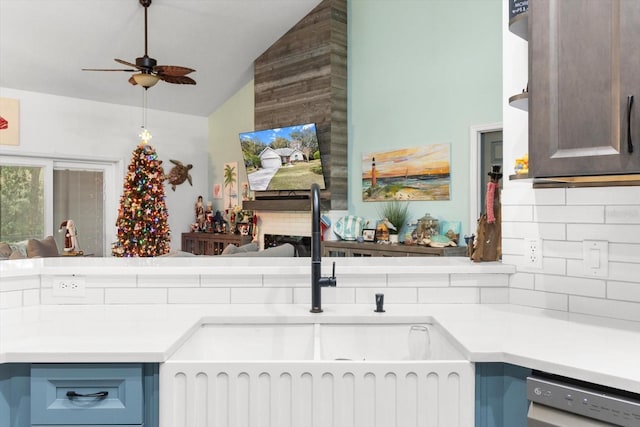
589,348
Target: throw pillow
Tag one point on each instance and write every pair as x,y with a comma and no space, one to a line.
5,250
16,255
42,248
233,249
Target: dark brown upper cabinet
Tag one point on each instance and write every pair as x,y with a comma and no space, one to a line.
584,64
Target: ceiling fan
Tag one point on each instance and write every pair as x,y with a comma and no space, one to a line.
147,72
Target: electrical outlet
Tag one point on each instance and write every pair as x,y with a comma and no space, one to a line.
69,286
533,253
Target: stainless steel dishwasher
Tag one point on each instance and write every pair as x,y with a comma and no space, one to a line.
565,402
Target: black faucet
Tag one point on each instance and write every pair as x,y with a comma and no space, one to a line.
317,282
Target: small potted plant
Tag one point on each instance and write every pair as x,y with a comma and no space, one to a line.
396,213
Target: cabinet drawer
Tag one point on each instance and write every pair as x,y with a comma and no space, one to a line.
56,391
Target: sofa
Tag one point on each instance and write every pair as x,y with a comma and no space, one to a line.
249,250
30,248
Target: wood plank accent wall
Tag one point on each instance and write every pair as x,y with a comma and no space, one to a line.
302,78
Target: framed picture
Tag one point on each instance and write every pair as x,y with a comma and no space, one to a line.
369,235
9,121
217,191
414,173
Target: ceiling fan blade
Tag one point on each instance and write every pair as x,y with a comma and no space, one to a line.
106,69
132,81
123,62
173,70
180,80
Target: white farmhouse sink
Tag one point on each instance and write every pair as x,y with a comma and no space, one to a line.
249,342
313,341
389,342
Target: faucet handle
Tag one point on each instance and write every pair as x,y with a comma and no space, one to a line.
333,270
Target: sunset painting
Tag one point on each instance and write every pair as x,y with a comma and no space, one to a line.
420,173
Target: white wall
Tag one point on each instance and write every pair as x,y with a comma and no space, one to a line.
563,219
60,126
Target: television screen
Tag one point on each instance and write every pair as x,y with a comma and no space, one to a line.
282,159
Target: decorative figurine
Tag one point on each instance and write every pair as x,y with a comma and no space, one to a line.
178,174
200,218
70,236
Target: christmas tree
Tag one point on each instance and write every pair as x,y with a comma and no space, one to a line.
142,225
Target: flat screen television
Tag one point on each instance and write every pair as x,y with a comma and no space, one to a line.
282,159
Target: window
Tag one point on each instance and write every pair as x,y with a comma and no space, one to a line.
79,195
21,202
37,195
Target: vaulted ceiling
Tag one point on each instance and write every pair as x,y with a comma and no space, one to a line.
44,44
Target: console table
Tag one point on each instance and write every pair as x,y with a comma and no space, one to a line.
343,248
211,243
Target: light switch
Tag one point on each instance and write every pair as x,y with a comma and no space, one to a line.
595,258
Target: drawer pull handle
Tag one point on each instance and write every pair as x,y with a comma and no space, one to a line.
98,395
629,107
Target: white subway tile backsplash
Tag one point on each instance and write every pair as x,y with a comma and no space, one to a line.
91,296
516,213
231,281
621,233
262,295
448,295
121,281
549,196
604,196
480,280
417,280
512,246
391,296
335,295
523,195
135,296
199,296
569,214
570,285
605,307
183,281
624,272
624,252
622,214
20,283
494,296
546,300
362,280
286,281
10,299
623,291
550,231
522,280
31,297
562,249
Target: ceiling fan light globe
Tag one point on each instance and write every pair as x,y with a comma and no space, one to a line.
145,80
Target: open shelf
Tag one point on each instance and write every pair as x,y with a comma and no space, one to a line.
519,25
520,101
579,181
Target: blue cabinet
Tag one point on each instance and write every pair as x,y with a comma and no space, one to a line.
86,394
501,395
78,394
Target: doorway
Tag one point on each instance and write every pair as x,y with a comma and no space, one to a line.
490,155
485,150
